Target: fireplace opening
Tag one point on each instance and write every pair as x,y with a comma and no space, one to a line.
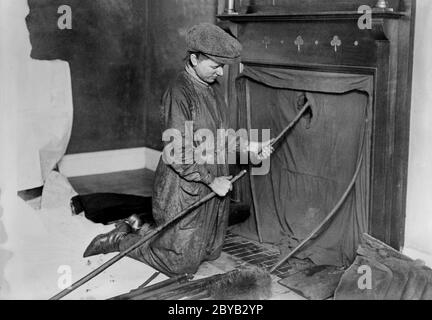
312,169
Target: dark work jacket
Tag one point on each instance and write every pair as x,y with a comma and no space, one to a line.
199,236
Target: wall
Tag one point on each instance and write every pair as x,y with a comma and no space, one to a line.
44,112
9,89
106,50
418,241
122,54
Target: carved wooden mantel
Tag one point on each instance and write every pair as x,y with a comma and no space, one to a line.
309,16
331,41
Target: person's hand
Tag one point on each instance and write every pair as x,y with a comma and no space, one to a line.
261,151
221,186
265,150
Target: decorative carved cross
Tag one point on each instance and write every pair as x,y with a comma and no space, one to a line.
336,42
266,41
299,42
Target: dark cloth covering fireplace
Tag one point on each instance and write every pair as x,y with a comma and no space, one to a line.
311,170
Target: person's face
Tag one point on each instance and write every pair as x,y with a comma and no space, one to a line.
207,69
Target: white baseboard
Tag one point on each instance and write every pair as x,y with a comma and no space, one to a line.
418,255
152,158
84,164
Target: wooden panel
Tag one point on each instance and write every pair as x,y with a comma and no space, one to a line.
276,43
403,74
308,5
384,52
378,221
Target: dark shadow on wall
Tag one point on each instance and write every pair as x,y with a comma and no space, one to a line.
122,55
106,49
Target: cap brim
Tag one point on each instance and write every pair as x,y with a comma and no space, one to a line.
223,60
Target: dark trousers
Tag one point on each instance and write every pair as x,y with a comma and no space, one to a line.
107,208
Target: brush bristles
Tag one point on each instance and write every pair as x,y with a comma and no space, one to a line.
247,284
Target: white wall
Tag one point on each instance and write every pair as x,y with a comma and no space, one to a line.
35,115
39,94
8,178
418,242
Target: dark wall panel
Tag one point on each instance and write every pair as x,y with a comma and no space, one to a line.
122,55
106,49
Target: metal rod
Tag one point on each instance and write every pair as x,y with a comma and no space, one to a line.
256,211
176,288
252,185
177,280
161,291
150,235
275,141
152,277
330,215
291,125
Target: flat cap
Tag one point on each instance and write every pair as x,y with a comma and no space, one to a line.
214,43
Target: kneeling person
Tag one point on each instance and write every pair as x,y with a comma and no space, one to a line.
195,96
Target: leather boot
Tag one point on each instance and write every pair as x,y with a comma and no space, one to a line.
108,242
135,221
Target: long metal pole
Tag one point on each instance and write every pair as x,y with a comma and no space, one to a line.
331,214
153,233
291,125
210,196
251,178
317,229
278,139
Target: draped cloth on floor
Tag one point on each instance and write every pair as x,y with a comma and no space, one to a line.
313,167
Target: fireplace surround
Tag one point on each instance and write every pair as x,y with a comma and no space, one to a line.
323,37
